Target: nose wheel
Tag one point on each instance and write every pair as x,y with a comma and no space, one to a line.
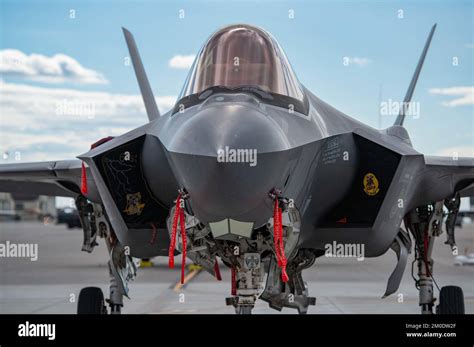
244,309
91,301
451,300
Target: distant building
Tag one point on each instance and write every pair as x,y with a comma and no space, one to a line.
6,202
28,207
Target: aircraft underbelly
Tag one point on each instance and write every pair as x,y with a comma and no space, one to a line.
338,184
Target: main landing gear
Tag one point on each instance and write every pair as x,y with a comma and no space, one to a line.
91,301
122,267
425,224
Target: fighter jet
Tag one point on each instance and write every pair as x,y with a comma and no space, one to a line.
252,170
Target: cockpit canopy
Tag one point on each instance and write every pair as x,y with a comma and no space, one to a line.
244,57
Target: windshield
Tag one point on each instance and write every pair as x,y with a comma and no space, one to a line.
243,56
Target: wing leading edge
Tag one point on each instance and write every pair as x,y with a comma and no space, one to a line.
443,177
53,178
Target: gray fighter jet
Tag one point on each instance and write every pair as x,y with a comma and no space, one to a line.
251,168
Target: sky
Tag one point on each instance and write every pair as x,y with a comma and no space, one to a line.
66,81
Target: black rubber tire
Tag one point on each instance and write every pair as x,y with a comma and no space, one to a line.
91,301
244,309
451,300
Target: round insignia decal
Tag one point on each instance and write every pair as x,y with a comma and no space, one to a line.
371,184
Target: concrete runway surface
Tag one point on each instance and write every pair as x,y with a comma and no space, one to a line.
341,285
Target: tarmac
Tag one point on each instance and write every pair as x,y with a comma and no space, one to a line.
51,284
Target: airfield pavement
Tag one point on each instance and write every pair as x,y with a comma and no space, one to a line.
341,285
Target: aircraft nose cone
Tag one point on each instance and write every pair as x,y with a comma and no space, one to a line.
235,125
229,157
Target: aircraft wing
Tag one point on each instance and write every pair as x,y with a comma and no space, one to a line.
442,177
53,178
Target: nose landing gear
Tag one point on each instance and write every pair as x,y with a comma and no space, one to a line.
247,283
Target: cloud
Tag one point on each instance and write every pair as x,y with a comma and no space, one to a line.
358,61
54,123
182,61
459,151
462,95
59,68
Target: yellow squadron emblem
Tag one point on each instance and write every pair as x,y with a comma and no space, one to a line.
134,204
371,184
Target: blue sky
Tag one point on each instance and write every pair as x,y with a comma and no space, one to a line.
315,41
